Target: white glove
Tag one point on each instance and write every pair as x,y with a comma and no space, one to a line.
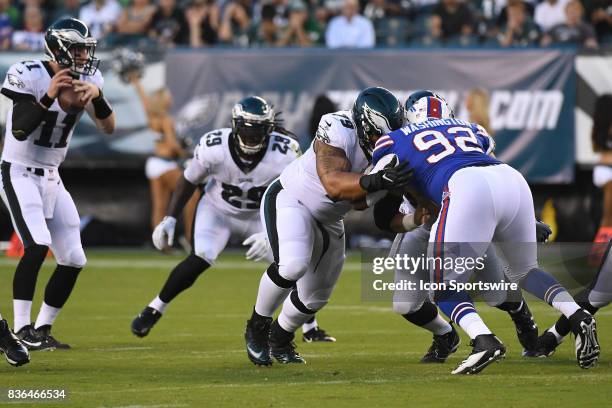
259,246
163,234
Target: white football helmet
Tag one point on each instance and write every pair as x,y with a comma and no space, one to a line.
423,105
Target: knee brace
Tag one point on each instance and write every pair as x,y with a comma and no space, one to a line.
75,258
294,269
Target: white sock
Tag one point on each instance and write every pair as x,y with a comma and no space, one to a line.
473,325
21,313
46,315
269,297
290,318
565,303
438,326
158,305
553,330
309,326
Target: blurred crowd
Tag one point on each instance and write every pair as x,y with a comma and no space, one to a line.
304,23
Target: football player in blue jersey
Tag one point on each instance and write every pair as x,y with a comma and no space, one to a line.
481,200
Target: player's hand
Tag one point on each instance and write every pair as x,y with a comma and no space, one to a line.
87,90
259,246
163,234
543,231
392,176
60,80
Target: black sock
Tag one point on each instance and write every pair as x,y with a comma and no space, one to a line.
312,319
424,315
24,281
60,285
509,307
182,277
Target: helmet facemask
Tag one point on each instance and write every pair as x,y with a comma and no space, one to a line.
253,120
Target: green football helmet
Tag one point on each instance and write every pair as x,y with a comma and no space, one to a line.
253,120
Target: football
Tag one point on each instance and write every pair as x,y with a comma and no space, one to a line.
70,102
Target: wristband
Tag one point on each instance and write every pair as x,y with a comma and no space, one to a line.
46,101
102,109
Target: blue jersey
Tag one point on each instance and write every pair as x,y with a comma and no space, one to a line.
436,149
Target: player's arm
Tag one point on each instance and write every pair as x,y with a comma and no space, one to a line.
28,112
97,106
333,168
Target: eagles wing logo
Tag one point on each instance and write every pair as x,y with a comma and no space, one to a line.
377,120
15,81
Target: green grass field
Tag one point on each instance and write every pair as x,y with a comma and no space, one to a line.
195,355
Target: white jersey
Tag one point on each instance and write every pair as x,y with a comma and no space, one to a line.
301,180
232,187
47,145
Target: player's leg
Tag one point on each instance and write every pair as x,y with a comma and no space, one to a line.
414,305
510,301
68,250
290,229
517,233
21,194
455,238
312,291
602,178
591,299
15,353
211,233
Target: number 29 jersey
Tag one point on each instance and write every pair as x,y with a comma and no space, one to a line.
436,149
48,144
233,186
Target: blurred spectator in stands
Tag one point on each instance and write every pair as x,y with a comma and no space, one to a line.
266,32
296,32
169,26
32,37
574,30
236,22
350,29
135,19
203,19
322,106
390,19
520,30
451,19
6,25
477,104
101,17
550,13
600,15
69,8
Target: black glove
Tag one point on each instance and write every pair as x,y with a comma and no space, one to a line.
543,231
389,178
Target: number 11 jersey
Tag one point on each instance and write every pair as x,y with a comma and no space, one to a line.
235,186
47,145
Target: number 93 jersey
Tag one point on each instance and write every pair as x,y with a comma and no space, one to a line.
233,186
436,149
47,145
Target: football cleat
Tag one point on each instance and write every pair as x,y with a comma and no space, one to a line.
256,337
282,347
547,344
587,348
48,342
317,335
486,349
443,346
14,351
526,330
144,322
30,338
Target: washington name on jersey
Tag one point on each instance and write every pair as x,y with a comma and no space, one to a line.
48,144
232,185
301,180
436,149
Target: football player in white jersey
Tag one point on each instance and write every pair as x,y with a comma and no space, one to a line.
303,214
38,132
238,163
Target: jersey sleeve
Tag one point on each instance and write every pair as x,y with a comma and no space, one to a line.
18,83
200,167
383,147
333,132
486,140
